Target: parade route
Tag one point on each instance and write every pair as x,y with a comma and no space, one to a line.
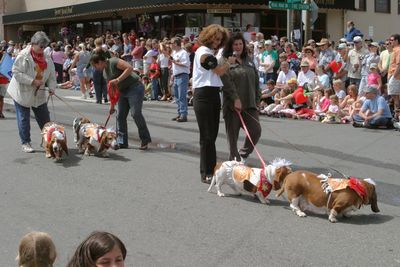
154,201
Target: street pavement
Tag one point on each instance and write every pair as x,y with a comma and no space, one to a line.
154,201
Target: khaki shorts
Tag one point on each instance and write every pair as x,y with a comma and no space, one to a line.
393,86
3,89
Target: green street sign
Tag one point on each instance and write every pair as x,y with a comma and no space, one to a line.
294,1
290,6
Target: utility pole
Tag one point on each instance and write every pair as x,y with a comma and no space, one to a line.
290,24
307,24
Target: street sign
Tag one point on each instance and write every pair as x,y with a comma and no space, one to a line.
294,1
290,6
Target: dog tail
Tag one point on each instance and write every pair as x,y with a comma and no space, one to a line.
280,192
213,182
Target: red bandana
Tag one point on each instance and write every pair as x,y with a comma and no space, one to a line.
357,186
39,59
264,186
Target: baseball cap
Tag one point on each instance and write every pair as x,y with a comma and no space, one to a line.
342,46
371,89
357,39
268,42
374,44
373,66
304,63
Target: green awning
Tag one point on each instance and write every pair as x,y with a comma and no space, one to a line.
106,6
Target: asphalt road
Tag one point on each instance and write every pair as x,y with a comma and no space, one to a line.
155,203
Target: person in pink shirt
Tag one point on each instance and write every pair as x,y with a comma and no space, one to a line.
58,58
374,78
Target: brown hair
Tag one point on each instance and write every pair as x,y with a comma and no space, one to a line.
96,245
208,34
36,249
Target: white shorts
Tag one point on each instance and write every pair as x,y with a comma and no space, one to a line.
3,89
393,86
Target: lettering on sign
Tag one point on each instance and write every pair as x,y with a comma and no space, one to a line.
325,2
219,10
63,11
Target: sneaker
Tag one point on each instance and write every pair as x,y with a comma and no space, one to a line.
396,125
143,146
27,148
357,124
182,119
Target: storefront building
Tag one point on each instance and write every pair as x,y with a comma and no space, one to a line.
163,18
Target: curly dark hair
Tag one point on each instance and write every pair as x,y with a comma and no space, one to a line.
228,50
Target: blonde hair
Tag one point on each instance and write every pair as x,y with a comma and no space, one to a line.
208,34
36,249
337,81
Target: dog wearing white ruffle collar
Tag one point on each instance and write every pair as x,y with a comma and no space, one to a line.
54,140
257,181
92,138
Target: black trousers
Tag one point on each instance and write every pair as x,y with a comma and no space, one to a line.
100,85
207,107
59,71
164,81
233,125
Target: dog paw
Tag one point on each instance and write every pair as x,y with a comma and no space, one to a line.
300,213
48,155
220,194
332,219
105,155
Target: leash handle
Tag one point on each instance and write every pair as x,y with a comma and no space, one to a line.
248,136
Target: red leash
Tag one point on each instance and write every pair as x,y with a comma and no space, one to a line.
248,136
113,95
265,186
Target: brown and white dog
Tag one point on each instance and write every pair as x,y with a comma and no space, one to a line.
242,178
320,194
54,140
91,138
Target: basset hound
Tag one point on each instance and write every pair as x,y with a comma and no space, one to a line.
91,138
307,191
242,178
54,140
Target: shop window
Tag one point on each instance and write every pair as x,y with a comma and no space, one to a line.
250,18
273,23
213,19
232,21
116,25
107,25
165,25
195,20
362,5
382,6
179,23
320,26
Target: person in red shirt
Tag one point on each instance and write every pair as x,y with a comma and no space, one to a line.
154,74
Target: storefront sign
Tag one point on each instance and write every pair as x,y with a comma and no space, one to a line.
192,32
219,10
63,11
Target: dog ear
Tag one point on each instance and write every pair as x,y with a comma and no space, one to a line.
371,196
280,174
64,146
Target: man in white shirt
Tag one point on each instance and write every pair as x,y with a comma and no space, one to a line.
180,71
284,75
305,75
355,58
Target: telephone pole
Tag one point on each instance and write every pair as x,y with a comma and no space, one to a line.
307,24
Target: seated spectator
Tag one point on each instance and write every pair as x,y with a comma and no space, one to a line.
321,102
322,79
99,249
374,112
284,75
333,112
280,103
339,92
36,249
374,78
267,95
309,57
305,75
347,104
